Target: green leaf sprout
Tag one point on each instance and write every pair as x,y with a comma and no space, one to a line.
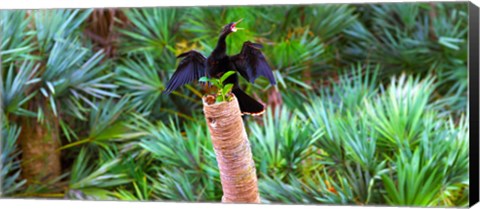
223,93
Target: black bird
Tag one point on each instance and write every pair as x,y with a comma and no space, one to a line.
250,63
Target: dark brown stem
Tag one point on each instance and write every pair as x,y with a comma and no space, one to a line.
39,142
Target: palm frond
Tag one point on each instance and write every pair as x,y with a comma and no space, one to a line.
15,88
327,21
10,179
103,175
15,36
53,25
398,112
141,80
281,144
418,181
75,75
152,30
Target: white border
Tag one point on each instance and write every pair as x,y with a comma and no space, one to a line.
45,4
72,204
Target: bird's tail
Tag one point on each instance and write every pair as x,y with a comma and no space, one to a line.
247,104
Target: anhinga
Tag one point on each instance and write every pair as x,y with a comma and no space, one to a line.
250,63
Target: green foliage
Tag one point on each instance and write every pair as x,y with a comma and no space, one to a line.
398,113
152,30
412,37
360,146
72,73
100,177
186,168
64,74
315,189
224,90
91,182
54,25
418,181
14,86
205,23
282,143
290,56
329,20
372,107
15,37
9,162
108,122
141,80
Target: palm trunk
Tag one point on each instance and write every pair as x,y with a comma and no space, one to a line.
39,143
232,148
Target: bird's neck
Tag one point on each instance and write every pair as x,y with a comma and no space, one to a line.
221,49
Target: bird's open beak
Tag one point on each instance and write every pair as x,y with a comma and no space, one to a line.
234,29
238,21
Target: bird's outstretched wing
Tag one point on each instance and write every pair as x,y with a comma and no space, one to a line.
191,68
251,63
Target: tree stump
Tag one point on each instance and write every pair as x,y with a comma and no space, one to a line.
232,148
39,142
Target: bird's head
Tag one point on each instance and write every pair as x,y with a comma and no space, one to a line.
231,27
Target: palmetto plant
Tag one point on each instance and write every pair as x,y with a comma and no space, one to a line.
13,102
282,143
61,79
426,160
97,181
355,147
76,75
143,80
409,37
398,114
148,48
370,106
15,36
187,167
152,30
9,161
